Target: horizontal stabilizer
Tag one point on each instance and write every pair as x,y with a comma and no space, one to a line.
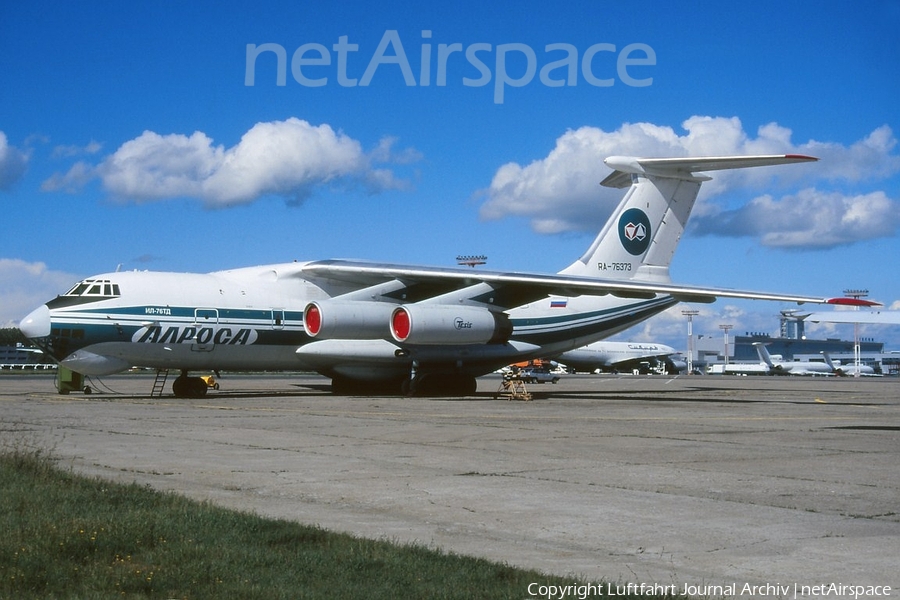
684,168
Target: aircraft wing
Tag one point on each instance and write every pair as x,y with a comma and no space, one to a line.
636,359
810,373
516,288
875,317
642,357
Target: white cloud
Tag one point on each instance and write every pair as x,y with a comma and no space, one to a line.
868,158
12,163
79,175
809,219
92,147
670,326
288,158
385,153
556,192
26,285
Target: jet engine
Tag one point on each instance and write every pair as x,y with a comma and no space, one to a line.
354,320
448,324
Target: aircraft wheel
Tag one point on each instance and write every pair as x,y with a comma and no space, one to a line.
445,385
179,387
189,387
342,386
198,387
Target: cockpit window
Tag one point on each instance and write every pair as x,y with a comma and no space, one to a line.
95,287
77,290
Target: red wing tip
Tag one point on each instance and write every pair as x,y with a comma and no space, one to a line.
852,302
800,157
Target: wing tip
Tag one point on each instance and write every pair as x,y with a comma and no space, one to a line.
842,301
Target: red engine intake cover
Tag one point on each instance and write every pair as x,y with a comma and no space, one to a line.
312,320
400,324
442,325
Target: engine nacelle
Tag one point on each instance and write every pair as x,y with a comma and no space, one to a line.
448,324
349,320
90,363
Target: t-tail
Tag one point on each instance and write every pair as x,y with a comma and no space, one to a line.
641,235
764,355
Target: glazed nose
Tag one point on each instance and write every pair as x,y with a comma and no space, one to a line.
37,323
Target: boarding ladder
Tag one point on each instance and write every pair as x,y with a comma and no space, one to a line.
159,383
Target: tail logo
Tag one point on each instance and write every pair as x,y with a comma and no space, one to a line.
634,231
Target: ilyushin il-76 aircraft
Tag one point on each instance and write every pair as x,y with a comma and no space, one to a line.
394,328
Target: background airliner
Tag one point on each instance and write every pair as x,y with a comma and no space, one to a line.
396,328
620,356
849,370
792,367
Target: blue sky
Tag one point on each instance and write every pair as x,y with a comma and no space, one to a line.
131,134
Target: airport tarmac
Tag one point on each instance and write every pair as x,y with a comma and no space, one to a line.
649,479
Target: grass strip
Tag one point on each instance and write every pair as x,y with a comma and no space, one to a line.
68,536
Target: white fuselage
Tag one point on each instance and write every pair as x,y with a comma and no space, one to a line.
609,355
252,319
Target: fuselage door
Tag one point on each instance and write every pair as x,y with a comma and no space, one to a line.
206,322
277,318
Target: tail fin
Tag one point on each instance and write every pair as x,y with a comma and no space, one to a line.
641,235
830,362
764,355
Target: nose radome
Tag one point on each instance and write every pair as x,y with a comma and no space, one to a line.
37,323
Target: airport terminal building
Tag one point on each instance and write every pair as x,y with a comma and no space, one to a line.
17,356
793,345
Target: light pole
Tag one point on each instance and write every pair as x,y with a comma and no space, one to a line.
690,314
725,328
857,351
471,261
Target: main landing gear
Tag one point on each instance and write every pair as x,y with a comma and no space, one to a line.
439,385
418,385
189,387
